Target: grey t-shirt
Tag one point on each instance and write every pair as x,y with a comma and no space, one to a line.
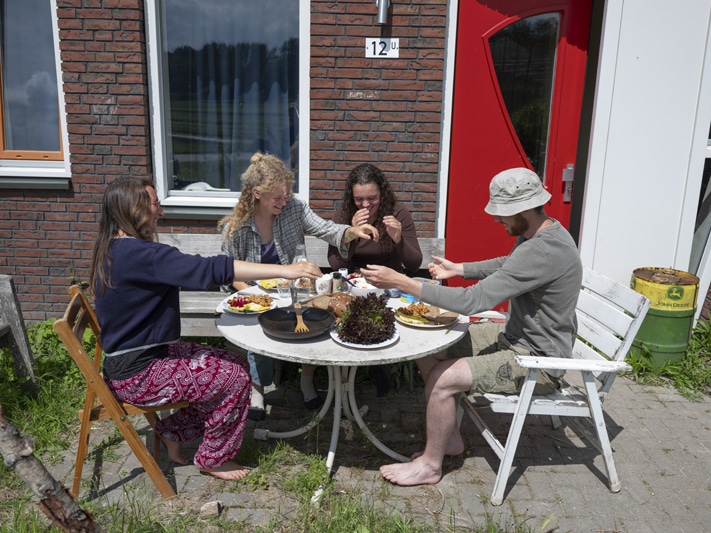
541,277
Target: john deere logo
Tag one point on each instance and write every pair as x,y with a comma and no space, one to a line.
675,293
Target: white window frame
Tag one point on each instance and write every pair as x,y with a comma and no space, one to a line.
187,204
29,174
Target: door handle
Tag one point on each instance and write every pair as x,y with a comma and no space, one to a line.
568,174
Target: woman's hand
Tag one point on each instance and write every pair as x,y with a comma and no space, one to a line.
302,269
442,268
360,217
364,231
393,227
245,271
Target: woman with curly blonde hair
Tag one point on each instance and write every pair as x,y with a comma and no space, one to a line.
265,226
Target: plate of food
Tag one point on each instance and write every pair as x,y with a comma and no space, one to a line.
421,315
269,284
366,323
387,342
248,304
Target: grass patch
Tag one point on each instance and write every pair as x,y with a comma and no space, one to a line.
690,375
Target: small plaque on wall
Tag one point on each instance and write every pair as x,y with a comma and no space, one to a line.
382,48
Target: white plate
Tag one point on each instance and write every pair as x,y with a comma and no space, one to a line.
423,325
236,312
268,284
388,342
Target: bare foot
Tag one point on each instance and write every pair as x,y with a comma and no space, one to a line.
173,447
229,471
409,474
455,446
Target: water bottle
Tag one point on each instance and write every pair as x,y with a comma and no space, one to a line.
302,285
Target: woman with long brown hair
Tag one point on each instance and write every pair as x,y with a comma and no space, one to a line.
136,283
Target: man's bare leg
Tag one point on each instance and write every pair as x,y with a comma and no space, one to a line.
229,471
445,382
425,365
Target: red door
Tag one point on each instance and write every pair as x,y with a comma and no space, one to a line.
519,73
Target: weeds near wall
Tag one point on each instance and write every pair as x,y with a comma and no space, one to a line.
691,375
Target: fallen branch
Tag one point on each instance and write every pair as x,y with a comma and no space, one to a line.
54,499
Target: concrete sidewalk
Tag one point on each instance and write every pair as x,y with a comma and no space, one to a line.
661,443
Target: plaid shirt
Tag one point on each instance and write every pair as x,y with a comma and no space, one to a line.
294,222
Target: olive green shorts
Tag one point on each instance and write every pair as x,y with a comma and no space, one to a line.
491,359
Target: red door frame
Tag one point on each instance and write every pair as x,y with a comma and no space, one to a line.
483,139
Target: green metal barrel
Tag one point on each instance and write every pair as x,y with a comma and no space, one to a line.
666,329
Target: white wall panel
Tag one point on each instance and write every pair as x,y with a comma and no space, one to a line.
637,210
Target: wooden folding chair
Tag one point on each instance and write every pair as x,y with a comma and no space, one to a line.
609,316
100,402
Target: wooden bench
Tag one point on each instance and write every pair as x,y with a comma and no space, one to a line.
197,308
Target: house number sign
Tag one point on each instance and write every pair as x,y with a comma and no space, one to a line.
382,48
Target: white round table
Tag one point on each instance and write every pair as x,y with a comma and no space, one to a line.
413,343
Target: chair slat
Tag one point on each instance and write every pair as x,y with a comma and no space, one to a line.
591,333
604,314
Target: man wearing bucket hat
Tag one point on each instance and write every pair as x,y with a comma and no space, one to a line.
540,278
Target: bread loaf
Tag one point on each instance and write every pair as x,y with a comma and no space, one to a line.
335,303
321,302
338,302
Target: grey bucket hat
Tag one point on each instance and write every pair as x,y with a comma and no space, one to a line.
515,190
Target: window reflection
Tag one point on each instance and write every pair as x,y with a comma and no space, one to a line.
703,220
524,56
231,87
30,100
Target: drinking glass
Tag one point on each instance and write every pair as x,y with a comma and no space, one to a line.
283,289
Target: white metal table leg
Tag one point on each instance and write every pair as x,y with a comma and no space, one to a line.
264,434
353,408
337,404
338,401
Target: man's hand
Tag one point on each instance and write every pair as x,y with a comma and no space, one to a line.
386,278
442,268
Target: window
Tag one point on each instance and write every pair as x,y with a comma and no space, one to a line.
30,100
31,141
702,229
225,83
524,55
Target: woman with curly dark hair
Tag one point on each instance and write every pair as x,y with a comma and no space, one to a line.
368,199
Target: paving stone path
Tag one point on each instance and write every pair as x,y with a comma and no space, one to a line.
661,443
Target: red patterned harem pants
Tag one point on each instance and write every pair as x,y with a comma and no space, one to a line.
216,385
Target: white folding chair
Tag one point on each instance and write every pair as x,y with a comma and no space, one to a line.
609,316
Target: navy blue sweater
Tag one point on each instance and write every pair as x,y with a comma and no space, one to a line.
143,308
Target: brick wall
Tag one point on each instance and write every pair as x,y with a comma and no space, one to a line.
382,111
102,47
